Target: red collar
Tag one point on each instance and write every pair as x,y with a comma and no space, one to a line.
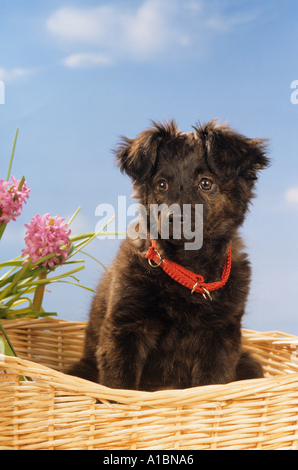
194,282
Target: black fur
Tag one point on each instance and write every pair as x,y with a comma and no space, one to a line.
146,331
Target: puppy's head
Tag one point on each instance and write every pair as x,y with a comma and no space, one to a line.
213,166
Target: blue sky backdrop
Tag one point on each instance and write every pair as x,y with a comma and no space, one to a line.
78,74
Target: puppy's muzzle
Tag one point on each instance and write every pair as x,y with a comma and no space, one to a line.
178,217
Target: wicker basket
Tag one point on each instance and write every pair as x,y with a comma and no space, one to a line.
61,412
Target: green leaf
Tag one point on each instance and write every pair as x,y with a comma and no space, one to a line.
5,349
12,154
92,257
2,228
3,308
74,284
10,263
18,276
8,340
28,313
75,214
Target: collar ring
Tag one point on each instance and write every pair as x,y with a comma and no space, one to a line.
155,265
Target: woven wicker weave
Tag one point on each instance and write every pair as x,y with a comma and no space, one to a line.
62,412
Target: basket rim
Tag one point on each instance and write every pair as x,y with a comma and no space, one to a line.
219,393
57,411
277,336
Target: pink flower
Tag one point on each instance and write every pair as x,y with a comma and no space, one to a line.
12,199
22,194
44,236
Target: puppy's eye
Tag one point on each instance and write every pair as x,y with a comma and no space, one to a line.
162,186
206,184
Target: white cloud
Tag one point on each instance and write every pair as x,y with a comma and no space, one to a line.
14,74
146,31
85,60
291,195
119,32
89,25
150,29
224,23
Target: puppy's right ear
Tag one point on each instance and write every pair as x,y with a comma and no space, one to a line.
137,157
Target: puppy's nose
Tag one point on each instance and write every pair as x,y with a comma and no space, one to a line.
176,215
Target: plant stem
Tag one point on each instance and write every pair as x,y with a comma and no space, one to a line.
38,296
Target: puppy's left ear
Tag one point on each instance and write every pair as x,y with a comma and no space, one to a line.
230,154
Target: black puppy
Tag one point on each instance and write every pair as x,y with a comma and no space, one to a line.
165,316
